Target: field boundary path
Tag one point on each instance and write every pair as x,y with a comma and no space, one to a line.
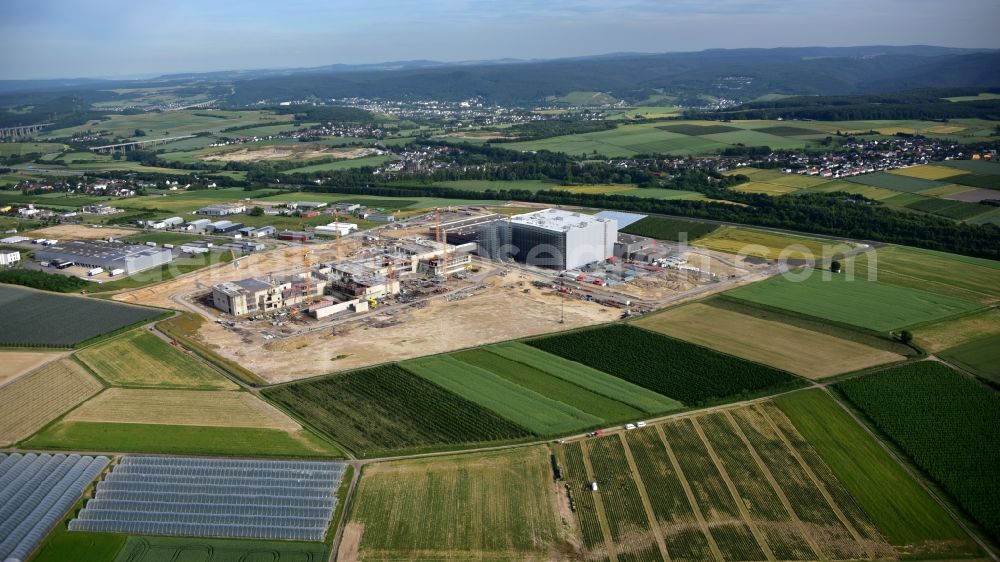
817,482
775,486
690,496
345,513
737,498
646,504
609,540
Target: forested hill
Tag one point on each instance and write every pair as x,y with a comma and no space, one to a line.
742,74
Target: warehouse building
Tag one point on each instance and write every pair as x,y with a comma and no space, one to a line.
551,238
9,258
222,210
106,255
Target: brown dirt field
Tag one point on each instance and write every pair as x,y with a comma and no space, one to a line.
288,152
806,353
182,407
78,232
253,265
497,314
973,196
350,542
16,363
36,399
948,334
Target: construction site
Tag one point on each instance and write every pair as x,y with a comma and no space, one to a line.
440,281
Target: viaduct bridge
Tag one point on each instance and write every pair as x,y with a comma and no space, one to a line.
14,132
133,145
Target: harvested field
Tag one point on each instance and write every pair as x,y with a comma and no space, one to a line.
951,333
973,195
288,152
64,232
485,506
895,182
142,359
36,399
182,407
804,352
927,172
15,363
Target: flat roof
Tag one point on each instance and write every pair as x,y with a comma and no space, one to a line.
557,220
253,284
103,250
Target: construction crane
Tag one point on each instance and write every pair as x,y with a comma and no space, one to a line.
307,267
443,241
336,239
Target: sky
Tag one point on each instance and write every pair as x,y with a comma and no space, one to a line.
134,38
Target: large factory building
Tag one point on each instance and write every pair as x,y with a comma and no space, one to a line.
550,238
107,255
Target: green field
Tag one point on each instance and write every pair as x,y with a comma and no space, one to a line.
770,245
958,210
181,202
484,506
62,545
689,373
583,376
549,386
38,318
180,440
973,279
170,123
346,164
895,182
141,359
981,356
858,302
946,423
908,517
670,229
21,148
536,413
387,409
161,238
486,185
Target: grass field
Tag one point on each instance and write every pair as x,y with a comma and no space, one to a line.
895,182
182,407
981,356
21,148
908,517
142,359
733,485
161,237
537,413
968,278
387,409
670,229
61,545
486,185
16,363
181,440
926,172
871,192
958,210
768,245
946,423
484,506
37,398
580,375
858,302
810,354
371,161
686,372
179,266
171,123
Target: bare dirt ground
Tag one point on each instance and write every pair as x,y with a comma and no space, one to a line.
78,232
350,542
16,363
505,311
288,152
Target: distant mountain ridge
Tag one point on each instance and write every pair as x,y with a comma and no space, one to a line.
740,74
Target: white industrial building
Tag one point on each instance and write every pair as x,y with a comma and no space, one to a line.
561,239
222,210
342,228
106,255
9,258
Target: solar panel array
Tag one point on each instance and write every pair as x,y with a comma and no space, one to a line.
226,498
35,492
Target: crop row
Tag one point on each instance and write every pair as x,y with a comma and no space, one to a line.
37,398
684,371
947,423
388,408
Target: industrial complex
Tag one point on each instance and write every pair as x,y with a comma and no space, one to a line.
109,256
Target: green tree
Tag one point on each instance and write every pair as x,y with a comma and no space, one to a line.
906,336
835,266
256,212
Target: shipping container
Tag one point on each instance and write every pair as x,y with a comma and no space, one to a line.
95,271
